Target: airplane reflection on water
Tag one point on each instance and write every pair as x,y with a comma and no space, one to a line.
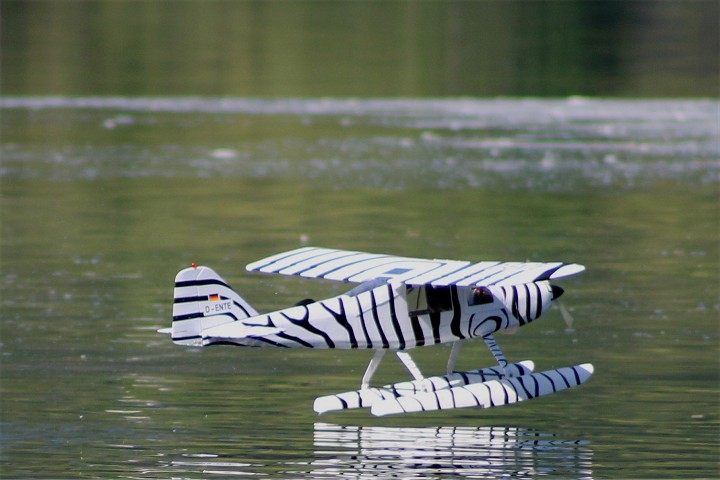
427,452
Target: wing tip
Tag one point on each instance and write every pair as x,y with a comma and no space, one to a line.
567,270
561,271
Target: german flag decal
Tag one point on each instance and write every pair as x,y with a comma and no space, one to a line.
213,297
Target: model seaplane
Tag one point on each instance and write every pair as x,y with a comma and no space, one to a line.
399,303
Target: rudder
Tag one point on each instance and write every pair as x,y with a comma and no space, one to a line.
202,300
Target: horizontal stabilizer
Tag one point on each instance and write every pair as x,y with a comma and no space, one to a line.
492,393
236,332
369,396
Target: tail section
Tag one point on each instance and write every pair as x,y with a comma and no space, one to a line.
203,300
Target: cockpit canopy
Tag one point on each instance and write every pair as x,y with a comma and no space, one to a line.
480,296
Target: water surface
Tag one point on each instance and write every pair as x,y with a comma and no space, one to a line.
105,198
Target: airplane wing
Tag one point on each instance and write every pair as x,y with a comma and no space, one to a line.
359,267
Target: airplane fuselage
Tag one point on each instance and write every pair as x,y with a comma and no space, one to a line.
399,317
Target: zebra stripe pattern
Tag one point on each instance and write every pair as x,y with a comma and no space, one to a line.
368,320
493,393
203,300
374,319
527,301
495,350
350,266
368,396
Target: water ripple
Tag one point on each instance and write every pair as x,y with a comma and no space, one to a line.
564,144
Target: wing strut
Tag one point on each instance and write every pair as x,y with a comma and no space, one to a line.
410,364
497,353
372,366
454,353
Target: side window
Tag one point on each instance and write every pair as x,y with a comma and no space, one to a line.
439,299
480,296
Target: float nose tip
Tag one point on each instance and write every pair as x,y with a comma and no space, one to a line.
556,291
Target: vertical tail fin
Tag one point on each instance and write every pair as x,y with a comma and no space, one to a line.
203,300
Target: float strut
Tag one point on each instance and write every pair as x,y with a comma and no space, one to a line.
372,366
497,353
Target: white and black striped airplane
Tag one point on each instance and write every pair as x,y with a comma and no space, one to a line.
398,303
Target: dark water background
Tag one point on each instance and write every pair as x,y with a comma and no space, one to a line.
138,137
386,49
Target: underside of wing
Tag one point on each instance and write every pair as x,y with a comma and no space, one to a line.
359,267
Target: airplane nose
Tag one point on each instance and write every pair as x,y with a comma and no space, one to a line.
556,292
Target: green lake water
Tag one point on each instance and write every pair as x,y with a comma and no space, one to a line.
117,174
